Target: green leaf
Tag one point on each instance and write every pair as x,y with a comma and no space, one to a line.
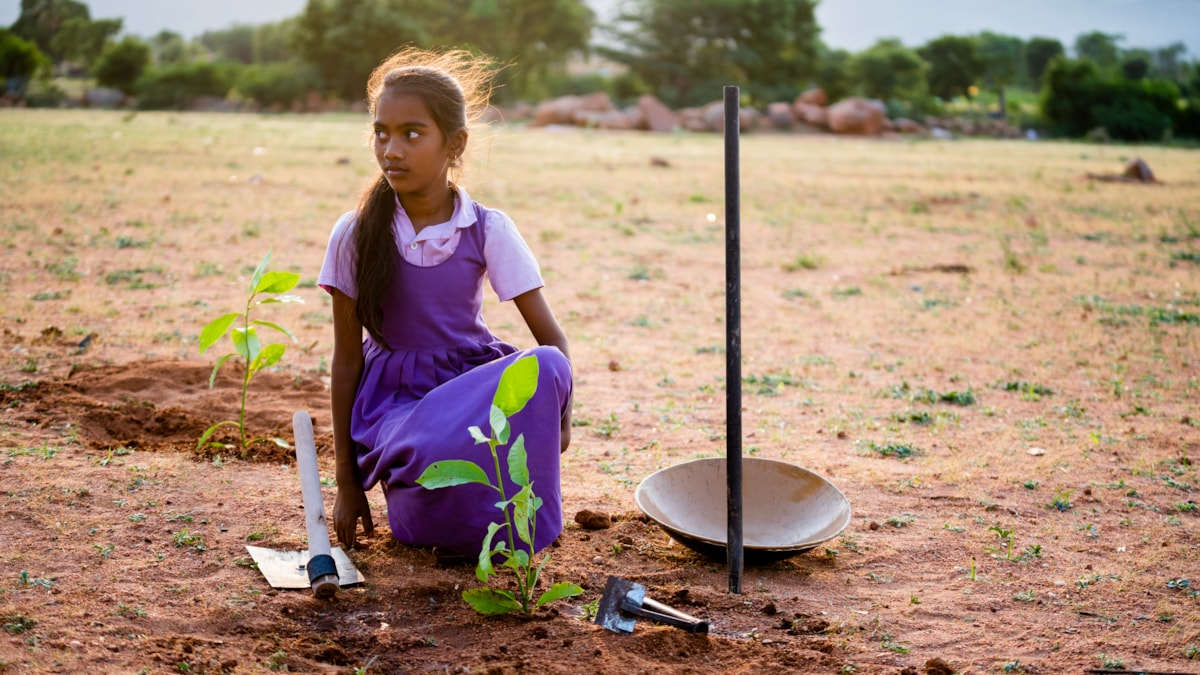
277,327
281,298
484,569
209,432
268,357
220,362
450,472
277,282
517,385
491,601
521,513
518,465
246,342
477,434
258,274
499,422
215,330
563,589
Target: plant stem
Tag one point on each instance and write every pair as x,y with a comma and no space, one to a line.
246,374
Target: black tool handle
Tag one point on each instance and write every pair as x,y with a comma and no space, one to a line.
664,614
733,337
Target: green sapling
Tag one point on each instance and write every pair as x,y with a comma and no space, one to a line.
517,385
245,339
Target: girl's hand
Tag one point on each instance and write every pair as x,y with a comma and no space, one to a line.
350,505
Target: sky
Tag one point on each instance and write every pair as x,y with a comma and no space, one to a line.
846,24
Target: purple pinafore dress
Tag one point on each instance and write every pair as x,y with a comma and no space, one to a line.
416,402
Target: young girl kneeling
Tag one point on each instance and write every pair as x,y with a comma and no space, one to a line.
408,266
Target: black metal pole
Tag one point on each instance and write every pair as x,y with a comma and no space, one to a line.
733,336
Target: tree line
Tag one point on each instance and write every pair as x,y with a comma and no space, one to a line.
682,51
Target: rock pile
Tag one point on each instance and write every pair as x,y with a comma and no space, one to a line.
809,113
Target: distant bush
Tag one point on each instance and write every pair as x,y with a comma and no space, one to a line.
20,60
121,64
177,86
277,84
1076,99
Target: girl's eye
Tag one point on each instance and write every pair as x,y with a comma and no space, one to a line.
413,134
380,135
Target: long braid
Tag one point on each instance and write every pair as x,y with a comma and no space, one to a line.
375,245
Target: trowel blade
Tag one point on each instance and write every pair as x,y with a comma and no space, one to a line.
609,614
286,569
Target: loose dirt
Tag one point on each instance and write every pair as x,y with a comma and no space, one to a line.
994,358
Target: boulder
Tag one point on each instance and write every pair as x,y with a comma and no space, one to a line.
1139,170
813,97
559,110
907,126
601,119
656,116
713,116
597,102
780,115
857,116
813,115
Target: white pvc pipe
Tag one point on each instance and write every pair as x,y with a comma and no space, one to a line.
323,585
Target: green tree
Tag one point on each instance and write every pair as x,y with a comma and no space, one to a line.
20,60
889,71
833,73
954,65
686,50
1002,63
1137,64
169,47
82,40
272,41
1169,63
121,64
235,43
41,20
345,39
534,38
1039,51
1101,48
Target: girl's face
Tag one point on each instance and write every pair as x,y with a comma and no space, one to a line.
409,146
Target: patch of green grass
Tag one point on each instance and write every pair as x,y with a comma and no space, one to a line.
901,520
1030,391
804,261
923,395
898,450
16,624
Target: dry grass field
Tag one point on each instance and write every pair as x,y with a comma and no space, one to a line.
995,358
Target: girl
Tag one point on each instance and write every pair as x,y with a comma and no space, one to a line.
408,265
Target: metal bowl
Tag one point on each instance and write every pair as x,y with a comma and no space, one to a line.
786,510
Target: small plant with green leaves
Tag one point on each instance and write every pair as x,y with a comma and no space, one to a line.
1006,542
16,624
1061,501
518,384
255,357
1110,662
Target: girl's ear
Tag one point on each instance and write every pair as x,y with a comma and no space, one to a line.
457,144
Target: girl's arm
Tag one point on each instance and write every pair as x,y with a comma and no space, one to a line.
345,371
540,319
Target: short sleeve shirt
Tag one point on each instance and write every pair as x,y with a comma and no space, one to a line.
511,267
